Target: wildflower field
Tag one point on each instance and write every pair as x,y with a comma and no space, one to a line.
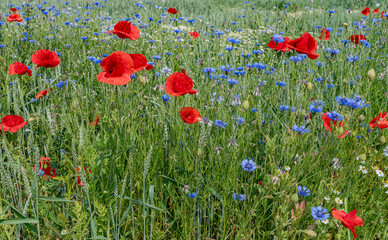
198,119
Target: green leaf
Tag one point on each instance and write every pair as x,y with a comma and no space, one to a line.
19,214
17,221
142,203
214,192
99,237
53,199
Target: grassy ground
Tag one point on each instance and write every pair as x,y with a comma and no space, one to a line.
142,161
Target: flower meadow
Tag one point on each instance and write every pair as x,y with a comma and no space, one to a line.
193,119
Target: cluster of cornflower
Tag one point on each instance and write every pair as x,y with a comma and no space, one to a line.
356,102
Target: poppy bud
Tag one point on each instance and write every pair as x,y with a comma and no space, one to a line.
339,131
277,218
310,233
302,112
310,86
345,24
382,140
295,198
199,152
74,104
362,157
31,120
338,236
371,74
361,118
142,80
245,105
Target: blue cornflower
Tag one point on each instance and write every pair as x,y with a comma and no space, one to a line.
331,11
226,69
333,51
319,213
280,84
208,70
352,59
234,41
316,106
259,65
248,165
41,173
257,52
303,191
157,57
238,197
320,64
287,108
61,84
239,73
301,129
334,116
239,120
165,98
192,195
232,81
221,124
278,38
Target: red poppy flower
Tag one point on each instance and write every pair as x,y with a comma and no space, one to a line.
95,120
14,17
12,123
13,10
46,168
179,84
19,68
45,58
331,125
349,220
125,29
379,121
85,171
172,11
366,11
42,93
118,67
356,38
190,115
139,61
305,44
376,10
326,33
194,34
283,47
149,67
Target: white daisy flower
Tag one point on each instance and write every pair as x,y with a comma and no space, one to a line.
325,221
338,200
380,173
287,168
362,169
336,192
327,198
63,232
385,151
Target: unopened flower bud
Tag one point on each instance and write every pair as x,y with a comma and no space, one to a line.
245,105
371,74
